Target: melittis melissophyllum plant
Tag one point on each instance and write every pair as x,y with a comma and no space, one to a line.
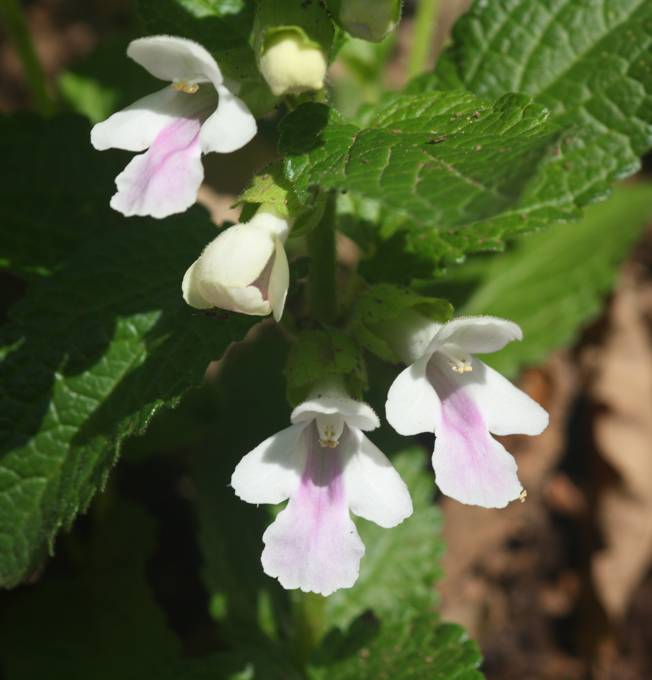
367,212
323,464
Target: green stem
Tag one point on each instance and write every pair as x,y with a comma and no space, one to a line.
322,284
425,25
309,625
16,28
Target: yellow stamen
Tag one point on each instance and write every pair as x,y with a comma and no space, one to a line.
522,496
329,439
185,87
459,360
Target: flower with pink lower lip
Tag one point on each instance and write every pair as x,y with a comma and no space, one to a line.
327,467
462,400
194,115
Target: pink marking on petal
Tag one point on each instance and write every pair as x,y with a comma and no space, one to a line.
165,179
470,465
262,282
313,544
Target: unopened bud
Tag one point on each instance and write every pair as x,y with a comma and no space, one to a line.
290,66
292,41
367,19
244,269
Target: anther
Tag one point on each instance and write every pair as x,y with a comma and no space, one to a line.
185,87
459,360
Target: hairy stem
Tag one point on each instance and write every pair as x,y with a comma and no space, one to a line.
16,27
425,25
321,247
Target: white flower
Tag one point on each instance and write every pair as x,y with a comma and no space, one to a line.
290,66
326,467
245,269
451,393
194,115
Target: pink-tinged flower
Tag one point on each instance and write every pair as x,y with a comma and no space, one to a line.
194,115
462,400
327,467
245,269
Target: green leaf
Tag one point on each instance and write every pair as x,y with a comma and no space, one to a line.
588,61
553,283
81,631
247,405
400,565
91,353
320,357
229,20
220,8
50,199
450,165
105,81
98,619
405,649
266,189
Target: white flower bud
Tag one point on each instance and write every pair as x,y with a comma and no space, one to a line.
244,269
291,65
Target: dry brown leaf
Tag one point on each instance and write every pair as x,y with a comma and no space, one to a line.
476,539
623,433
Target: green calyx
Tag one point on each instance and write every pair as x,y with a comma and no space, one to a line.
324,356
385,311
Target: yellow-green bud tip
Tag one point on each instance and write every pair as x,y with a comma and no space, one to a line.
290,67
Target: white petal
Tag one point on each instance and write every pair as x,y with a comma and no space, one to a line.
272,471
279,281
243,299
375,490
477,334
230,127
165,179
237,257
473,468
191,293
313,544
137,126
357,414
175,59
470,465
412,403
506,409
270,222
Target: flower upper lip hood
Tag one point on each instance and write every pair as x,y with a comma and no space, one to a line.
462,400
197,114
326,467
244,269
